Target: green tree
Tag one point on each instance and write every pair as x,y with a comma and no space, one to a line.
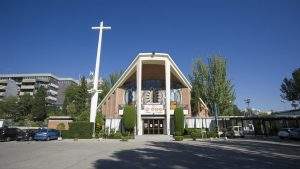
236,111
39,105
211,84
179,121
290,88
84,116
108,83
129,118
9,109
99,122
81,96
70,97
71,109
25,106
199,79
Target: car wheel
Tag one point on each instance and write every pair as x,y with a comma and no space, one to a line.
7,139
30,139
48,138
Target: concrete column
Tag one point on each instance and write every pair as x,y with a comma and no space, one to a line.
138,96
168,86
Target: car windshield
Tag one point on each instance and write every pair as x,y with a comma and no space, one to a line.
43,130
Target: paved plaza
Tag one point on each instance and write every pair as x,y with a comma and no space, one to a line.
150,152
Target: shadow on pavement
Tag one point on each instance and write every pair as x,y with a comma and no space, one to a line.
172,155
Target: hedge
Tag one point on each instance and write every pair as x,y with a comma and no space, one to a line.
179,120
81,130
129,118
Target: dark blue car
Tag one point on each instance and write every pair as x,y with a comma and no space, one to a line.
46,134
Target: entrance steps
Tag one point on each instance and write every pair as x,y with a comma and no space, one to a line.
154,137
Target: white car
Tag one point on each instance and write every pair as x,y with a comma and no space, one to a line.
284,133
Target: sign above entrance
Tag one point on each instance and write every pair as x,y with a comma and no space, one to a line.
154,109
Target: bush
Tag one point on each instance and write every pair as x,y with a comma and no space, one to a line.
212,134
179,120
81,130
177,133
178,138
129,118
115,135
195,135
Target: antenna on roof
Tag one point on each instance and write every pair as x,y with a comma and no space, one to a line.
153,53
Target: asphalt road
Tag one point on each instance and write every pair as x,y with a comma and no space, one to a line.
150,153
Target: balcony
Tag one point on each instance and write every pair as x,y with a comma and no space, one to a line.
51,98
28,81
28,87
2,87
52,92
53,85
22,93
3,81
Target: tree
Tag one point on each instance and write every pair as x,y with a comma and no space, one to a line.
99,122
81,96
84,116
9,109
108,83
179,121
71,109
129,118
39,105
25,106
76,97
70,97
199,79
211,84
290,88
236,111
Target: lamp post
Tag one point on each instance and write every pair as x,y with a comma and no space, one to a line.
94,91
216,118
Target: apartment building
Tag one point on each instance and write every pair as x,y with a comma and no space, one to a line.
19,84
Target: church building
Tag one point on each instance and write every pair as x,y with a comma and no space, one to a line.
155,86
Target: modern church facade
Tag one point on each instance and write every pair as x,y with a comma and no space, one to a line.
154,84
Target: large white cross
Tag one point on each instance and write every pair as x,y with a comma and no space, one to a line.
95,91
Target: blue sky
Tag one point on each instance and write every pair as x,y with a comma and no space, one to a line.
260,39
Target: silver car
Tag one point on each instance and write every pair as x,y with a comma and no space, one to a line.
236,131
284,133
295,134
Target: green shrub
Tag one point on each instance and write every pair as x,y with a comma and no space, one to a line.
115,135
178,138
195,135
177,133
212,134
179,120
81,130
129,118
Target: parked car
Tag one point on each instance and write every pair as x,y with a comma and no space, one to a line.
26,135
235,131
46,134
9,134
284,133
295,134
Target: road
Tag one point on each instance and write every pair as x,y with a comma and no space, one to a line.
147,152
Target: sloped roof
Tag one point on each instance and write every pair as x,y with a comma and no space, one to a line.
132,65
